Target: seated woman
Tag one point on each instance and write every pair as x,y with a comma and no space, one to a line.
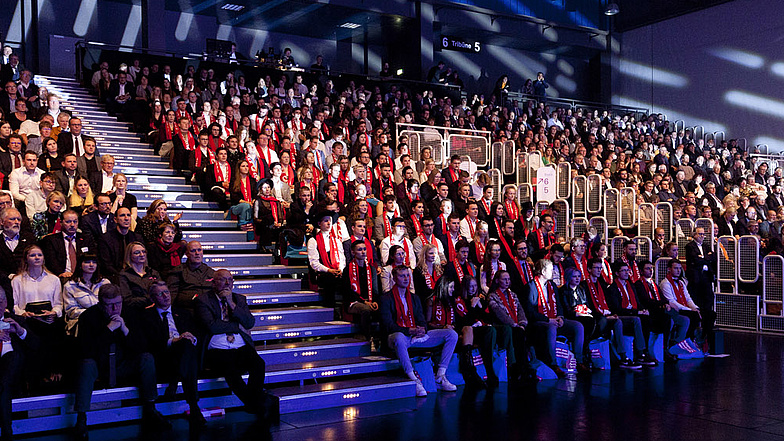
243,189
121,198
157,213
269,216
81,292
219,179
491,265
397,257
136,278
38,297
446,309
165,254
427,272
82,199
49,221
49,160
478,248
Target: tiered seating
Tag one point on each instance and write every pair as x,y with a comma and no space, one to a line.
312,361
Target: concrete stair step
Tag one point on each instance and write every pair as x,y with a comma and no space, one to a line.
305,330
313,350
280,298
268,270
215,236
181,188
261,287
136,171
227,246
220,260
344,393
149,179
321,370
210,224
181,205
290,316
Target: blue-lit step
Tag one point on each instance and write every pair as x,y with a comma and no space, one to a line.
168,196
344,393
180,188
280,298
313,350
142,165
266,286
182,205
135,170
209,224
215,236
322,370
176,180
216,260
269,270
305,330
201,215
291,316
228,246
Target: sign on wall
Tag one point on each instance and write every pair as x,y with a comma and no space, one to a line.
546,184
460,44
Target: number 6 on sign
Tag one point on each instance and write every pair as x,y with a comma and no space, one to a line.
545,184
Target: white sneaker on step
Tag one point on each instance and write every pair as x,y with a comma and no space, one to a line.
444,384
420,389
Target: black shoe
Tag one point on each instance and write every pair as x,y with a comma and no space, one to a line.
492,381
196,419
583,368
627,363
153,420
80,429
646,360
670,358
558,371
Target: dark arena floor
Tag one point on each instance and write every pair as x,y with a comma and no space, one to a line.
733,398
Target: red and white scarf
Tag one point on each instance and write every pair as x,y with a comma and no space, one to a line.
678,289
628,299
508,302
405,318
332,258
219,177
597,294
546,301
353,276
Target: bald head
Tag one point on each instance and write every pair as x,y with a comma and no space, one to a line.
195,253
222,282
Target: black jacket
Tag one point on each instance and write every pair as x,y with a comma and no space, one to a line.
389,313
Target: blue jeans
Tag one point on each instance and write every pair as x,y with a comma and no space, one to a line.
244,214
571,329
400,343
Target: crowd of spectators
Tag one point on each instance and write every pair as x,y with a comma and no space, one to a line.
432,253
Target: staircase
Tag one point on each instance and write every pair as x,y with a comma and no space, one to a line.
313,361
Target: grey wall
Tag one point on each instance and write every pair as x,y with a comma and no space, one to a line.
722,68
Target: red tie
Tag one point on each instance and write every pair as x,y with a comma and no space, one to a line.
77,146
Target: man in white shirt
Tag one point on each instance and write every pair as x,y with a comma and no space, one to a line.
674,289
326,256
35,201
107,173
427,236
25,180
398,237
468,224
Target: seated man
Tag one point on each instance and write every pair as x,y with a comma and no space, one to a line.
663,316
460,267
404,324
97,222
674,289
169,333
25,179
111,350
358,229
546,321
426,236
623,301
225,317
61,250
191,279
361,286
111,245
325,256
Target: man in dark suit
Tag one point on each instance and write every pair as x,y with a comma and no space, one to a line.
451,174
13,242
111,246
229,347
16,342
192,279
72,141
170,334
775,199
700,272
121,95
624,302
65,179
112,349
98,222
61,250
727,224
11,159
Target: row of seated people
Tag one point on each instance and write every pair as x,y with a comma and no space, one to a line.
90,329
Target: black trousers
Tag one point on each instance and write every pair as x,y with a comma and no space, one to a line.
180,362
485,339
232,364
328,287
10,368
140,367
515,341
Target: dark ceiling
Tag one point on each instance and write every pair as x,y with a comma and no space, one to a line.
638,13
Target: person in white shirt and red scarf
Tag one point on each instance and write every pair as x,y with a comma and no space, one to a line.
361,286
219,177
404,323
325,257
664,318
460,266
510,320
546,320
674,288
623,301
541,239
629,257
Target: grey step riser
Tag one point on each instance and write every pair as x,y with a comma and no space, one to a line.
235,260
223,247
215,236
294,297
131,171
265,286
170,180
141,164
281,334
346,397
180,206
292,316
168,195
267,271
195,216
327,372
209,225
181,188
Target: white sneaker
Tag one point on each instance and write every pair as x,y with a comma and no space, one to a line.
420,390
444,384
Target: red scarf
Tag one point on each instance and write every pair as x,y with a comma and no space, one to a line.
274,207
260,123
311,185
188,141
215,143
332,258
387,226
266,157
247,194
353,276
171,250
525,271
628,299
405,248
508,302
418,228
404,320
459,270
455,176
546,304
582,265
170,129
341,190
287,175
678,290
451,251
199,156
540,239
316,174
512,210
607,274
219,173
597,294
181,113
652,290
442,317
486,207
430,279
471,225
635,276
479,249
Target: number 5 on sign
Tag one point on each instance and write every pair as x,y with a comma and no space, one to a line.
545,184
